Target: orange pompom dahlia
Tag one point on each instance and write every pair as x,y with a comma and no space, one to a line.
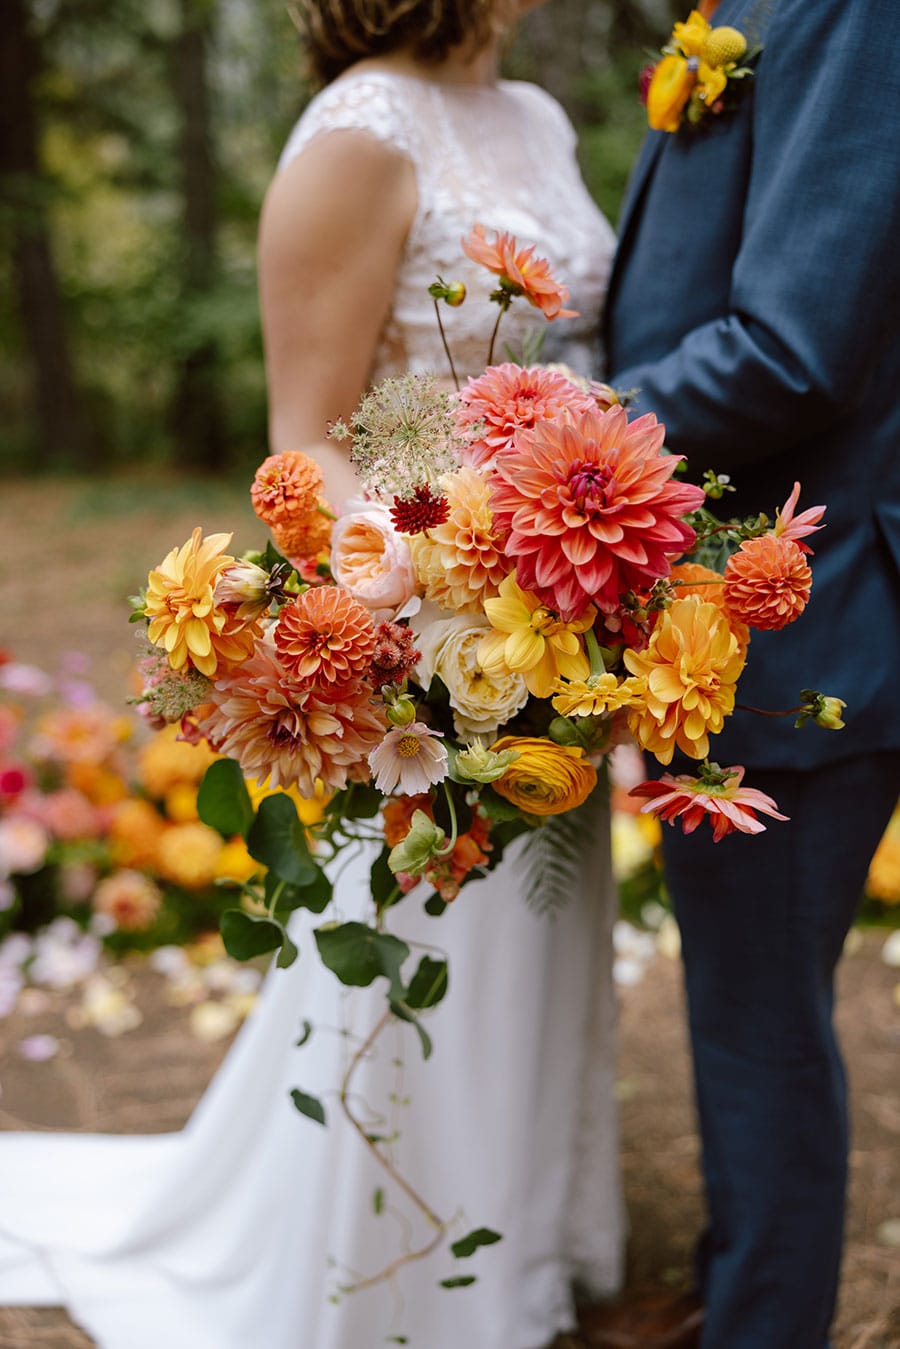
767,582
591,509
325,637
286,486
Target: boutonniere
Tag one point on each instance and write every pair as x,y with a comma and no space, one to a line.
699,71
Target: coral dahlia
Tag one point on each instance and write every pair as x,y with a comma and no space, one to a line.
509,398
591,509
520,272
717,795
767,582
289,734
325,637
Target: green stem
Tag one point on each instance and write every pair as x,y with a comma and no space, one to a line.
763,712
598,666
437,313
276,895
503,309
454,826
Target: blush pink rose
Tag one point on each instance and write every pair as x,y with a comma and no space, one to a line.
371,560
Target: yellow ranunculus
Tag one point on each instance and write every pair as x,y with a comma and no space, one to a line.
691,666
670,88
546,778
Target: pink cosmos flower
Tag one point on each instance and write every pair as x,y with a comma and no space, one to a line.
508,398
409,760
279,730
727,805
797,527
591,510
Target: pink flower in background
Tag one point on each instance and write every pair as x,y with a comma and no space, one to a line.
409,760
23,845
591,509
26,681
68,814
727,805
14,779
130,899
509,398
38,1048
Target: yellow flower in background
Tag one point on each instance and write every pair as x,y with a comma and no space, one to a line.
134,833
184,616
884,871
596,694
100,785
531,640
166,762
180,803
545,778
235,862
188,854
309,809
670,88
691,667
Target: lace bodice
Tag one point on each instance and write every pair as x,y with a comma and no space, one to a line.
502,156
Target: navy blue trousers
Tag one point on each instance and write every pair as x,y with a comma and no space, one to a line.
763,921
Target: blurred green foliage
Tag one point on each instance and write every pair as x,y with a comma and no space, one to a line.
148,199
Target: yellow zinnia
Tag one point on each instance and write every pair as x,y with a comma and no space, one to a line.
599,693
691,666
531,640
184,616
545,778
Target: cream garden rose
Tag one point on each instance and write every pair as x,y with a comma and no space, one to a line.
481,702
371,560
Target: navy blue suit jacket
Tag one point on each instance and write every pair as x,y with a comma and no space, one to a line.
755,304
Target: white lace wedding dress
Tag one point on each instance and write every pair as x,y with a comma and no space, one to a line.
238,1232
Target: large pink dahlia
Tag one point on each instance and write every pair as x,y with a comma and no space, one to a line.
510,398
591,510
292,735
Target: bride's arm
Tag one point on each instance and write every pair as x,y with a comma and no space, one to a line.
332,231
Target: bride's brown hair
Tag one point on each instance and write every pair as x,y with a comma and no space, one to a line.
339,32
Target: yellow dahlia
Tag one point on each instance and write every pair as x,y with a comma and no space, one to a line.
188,854
461,563
596,694
166,762
184,617
693,579
531,640
691,666
545,778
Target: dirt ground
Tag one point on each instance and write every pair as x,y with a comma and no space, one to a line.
72,551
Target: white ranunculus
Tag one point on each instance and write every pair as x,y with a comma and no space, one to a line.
371,560
481,703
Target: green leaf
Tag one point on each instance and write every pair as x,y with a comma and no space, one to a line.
428,985
245,935
277,838
357,954
382,880
363,802
462,1281
310,1106
435,906
403,1012
223,801
288,953
482,1236
316,896
305,1032
497,807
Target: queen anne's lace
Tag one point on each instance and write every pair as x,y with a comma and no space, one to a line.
458,139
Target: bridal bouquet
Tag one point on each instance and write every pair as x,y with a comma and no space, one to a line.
447,662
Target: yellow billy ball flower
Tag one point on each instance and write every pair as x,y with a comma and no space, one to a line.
545,778
691,666
184,616
724,46
531,640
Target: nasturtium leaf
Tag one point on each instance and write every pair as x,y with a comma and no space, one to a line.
383,882
403,1012
277,838
497,807
428,985
245,935
316,896
288,953
223,801
310,1106
435,906
462,1281
305,1033
482,1236
357,954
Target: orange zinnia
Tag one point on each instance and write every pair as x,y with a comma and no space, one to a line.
325,637
286,486
767,582
520,272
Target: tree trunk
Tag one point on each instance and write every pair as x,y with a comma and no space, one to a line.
196,411
62,432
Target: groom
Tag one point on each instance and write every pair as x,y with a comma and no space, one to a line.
755,305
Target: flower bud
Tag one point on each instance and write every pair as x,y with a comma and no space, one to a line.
400,711
477,763
413,853
451,292
829,714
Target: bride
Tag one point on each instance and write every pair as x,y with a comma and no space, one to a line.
241,1231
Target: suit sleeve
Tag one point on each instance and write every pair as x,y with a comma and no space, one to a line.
815,287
